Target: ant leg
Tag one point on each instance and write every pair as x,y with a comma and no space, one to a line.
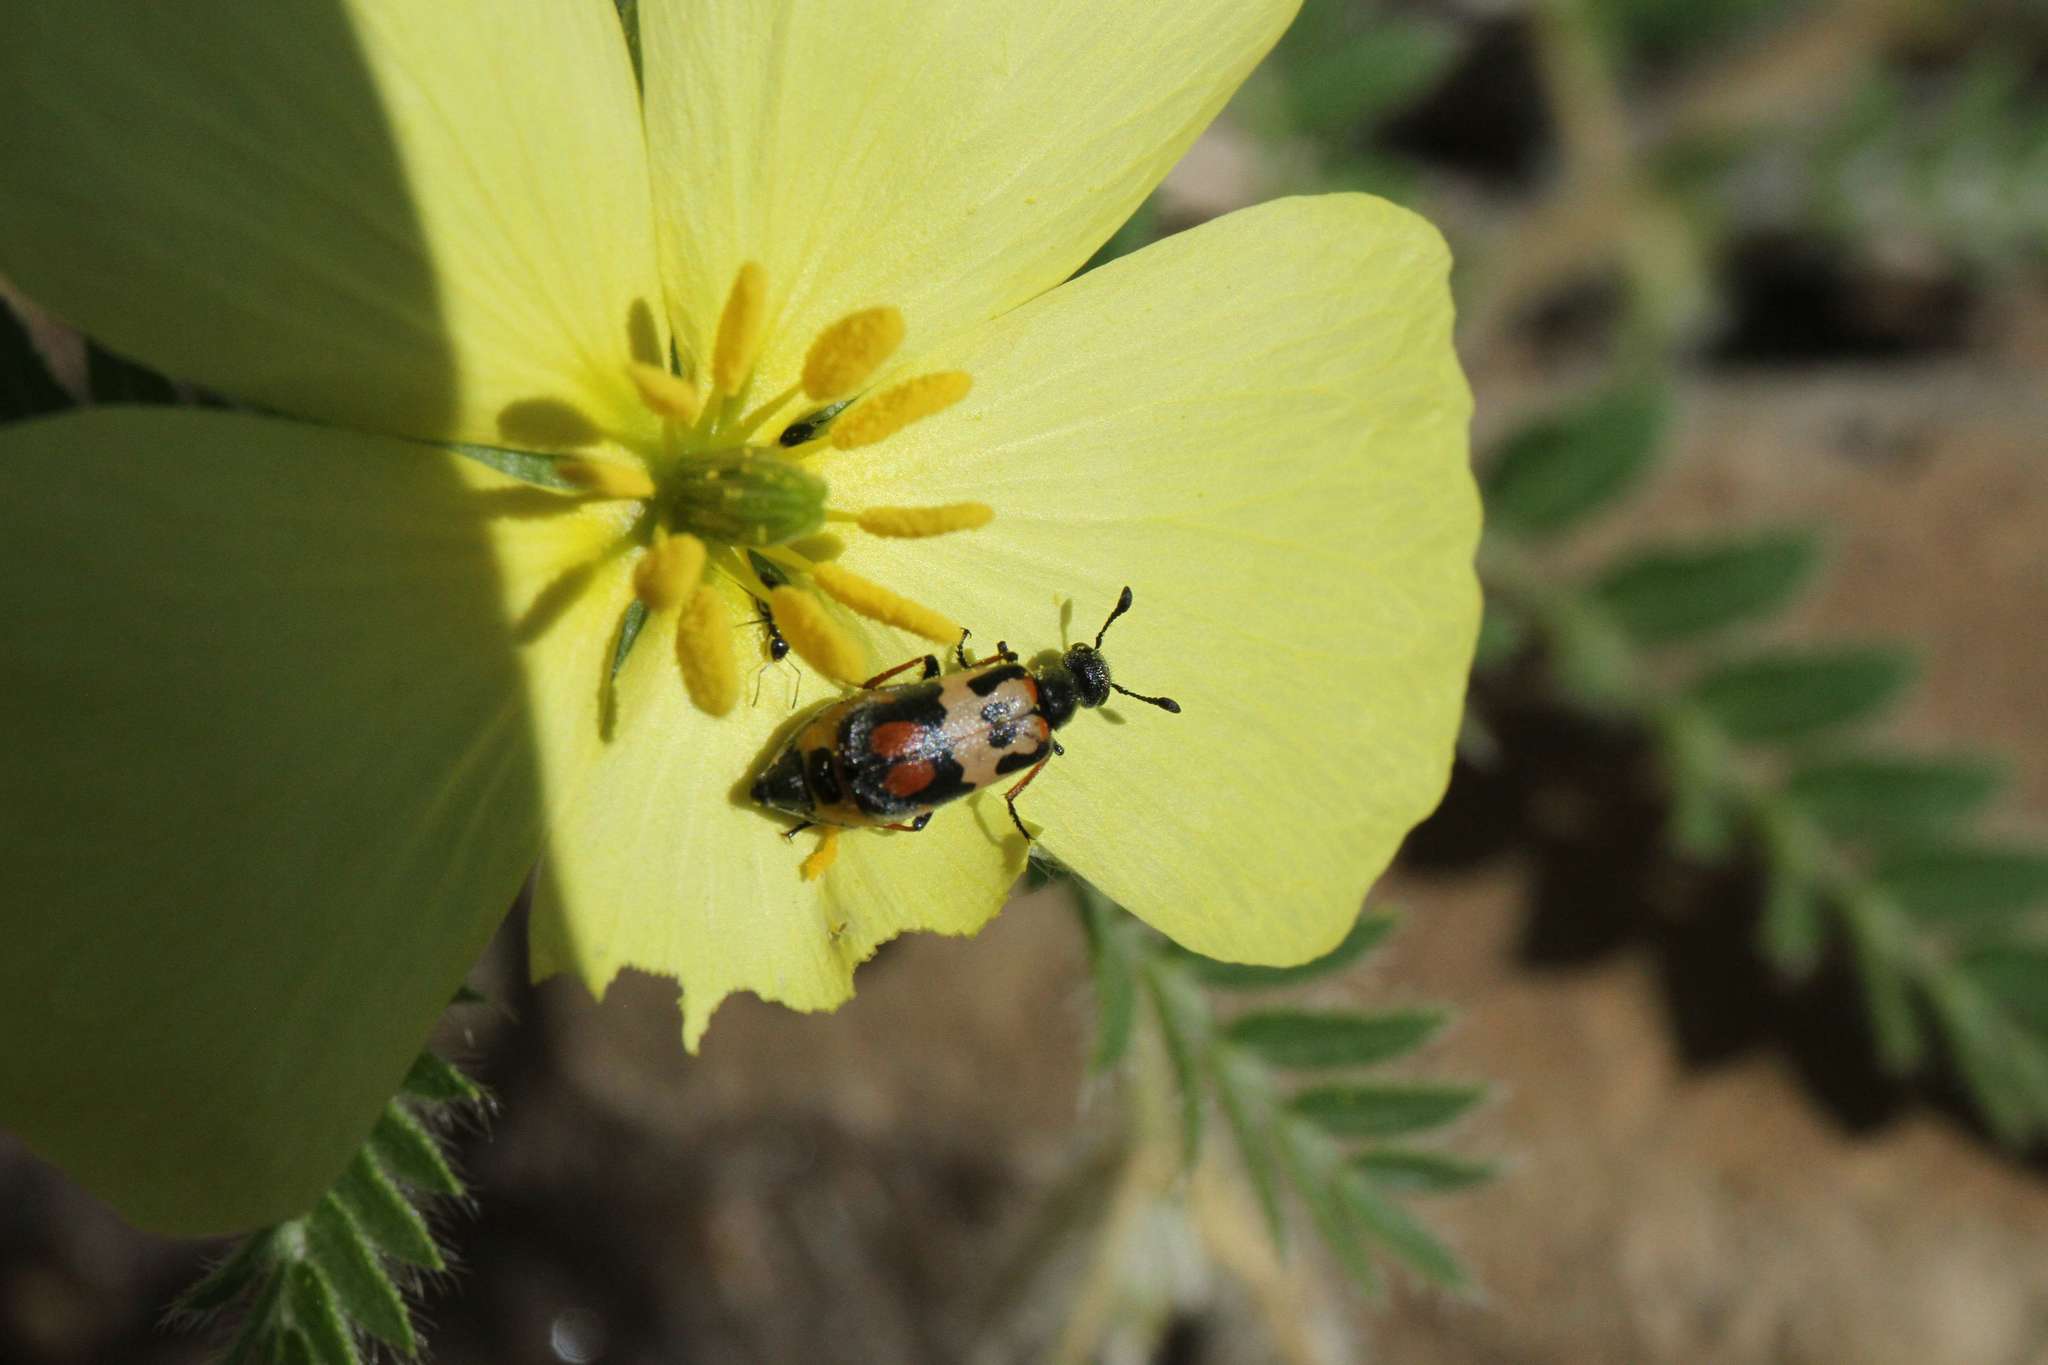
914,826
931,670
1010,796
795,830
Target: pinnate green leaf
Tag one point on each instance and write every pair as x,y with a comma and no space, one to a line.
2015,977
1876,796
1370,930
1871,927
233,1277
314,1310
407,1152
435,1078
1393,1228
1384,1109
1310,1038
1184,1023
338,1249
1241,1093
1560,469
1417,1171
1790,695
1964,883
385,1215
1670,594
1113,956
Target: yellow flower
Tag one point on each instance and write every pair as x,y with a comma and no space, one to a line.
294,699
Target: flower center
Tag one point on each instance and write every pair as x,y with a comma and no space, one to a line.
730,507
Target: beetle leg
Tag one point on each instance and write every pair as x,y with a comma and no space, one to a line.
931,670
960,649
795,830
914,826
1010,796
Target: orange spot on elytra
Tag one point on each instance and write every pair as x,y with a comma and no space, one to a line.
908,779
895,738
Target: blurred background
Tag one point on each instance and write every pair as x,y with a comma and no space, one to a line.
1734,896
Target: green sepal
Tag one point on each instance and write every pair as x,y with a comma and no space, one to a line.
1562,468
385,1215
1789,695
1304,1039
249,1343
1964,884
115,379
1384,1109
338,1248
1403,1237
1367,933
1671,594
315,1312
436,1079
1413,1170
1871,796
408,1152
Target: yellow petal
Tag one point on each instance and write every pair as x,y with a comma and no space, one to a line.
425,219
273,760
663,864
1260,426
949,160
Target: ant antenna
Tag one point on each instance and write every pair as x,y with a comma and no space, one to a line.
1163,703
1123,604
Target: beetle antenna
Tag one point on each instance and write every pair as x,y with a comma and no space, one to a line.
1123,604
1163,703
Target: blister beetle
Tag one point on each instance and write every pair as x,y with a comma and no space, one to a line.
886,757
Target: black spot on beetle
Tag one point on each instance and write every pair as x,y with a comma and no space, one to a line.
1010,763
824,778
984,683
1004,735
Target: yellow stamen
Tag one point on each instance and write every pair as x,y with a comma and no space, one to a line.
850,350
704,651
909,522
740,328
877,603
669,571
823,856
667,395
606,478
815,636
896,407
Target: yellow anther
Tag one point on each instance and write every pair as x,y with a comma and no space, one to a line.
740,328
704,651
815,637
850,350
606,478
896,407
823,856
877,603
669,571
667,395
908,522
